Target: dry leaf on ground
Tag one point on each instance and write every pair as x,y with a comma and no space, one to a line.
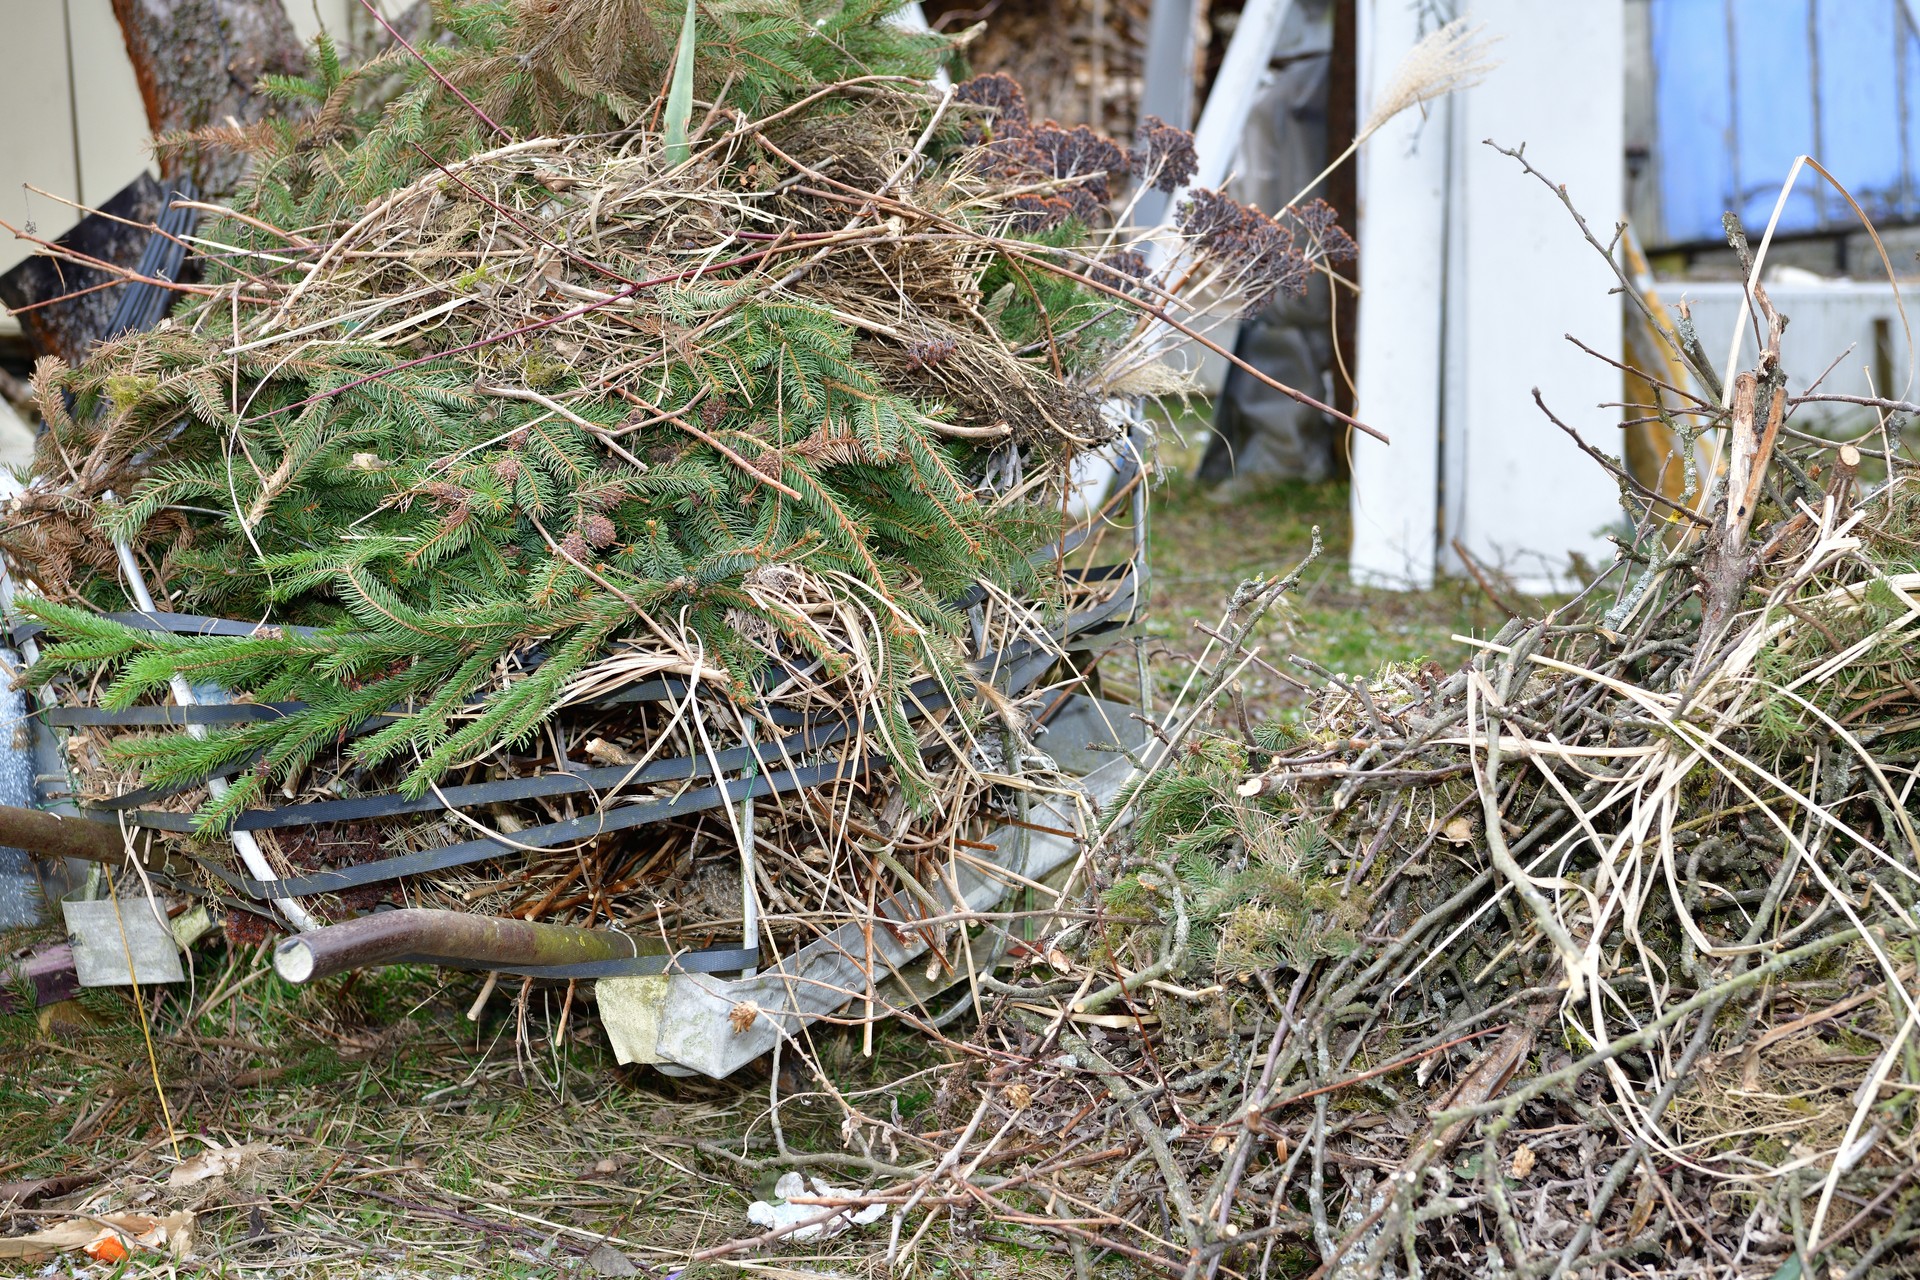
108,1237
216,1162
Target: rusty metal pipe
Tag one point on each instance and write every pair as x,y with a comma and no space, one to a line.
444,937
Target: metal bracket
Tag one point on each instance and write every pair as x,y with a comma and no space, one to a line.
120,944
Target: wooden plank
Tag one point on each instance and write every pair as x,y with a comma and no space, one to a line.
1521,497
1402,192
1167,89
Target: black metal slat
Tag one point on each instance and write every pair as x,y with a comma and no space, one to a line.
573,830
1023,660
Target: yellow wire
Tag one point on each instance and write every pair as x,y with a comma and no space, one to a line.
146,1032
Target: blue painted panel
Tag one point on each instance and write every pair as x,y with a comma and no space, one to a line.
1694,114
1860,64
1773,108
1910,115
1744,86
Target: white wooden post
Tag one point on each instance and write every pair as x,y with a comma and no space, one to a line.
1472,272
1216,140
1520,496
1402,227
1166,83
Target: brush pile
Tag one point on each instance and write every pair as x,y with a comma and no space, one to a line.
566,420
1595,956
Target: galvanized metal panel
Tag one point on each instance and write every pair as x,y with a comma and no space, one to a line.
121,943
1850,320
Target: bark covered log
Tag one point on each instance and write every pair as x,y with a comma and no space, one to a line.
117,234
198,63
87,839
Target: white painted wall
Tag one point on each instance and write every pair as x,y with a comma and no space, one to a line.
1493,273
75,125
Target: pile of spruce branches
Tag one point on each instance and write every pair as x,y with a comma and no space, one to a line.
583,347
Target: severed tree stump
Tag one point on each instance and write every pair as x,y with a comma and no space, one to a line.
198,62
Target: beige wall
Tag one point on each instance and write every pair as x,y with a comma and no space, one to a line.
75,126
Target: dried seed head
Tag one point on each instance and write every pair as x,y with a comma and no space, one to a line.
1321,226
1071,153
1033,212
1120,269
1447,58
1258,251
921,354
446,494
1162,155
999,93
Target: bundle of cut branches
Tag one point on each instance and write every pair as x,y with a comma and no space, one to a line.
1594,956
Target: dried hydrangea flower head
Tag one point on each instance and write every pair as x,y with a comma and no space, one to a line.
1018,150
1162,155
999,93
1255,253
1321,226
1121,269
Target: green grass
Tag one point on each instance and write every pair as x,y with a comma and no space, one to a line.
1202,549
398,1126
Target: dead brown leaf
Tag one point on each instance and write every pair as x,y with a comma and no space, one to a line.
107,1236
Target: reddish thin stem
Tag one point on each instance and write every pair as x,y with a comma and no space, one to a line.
431,69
